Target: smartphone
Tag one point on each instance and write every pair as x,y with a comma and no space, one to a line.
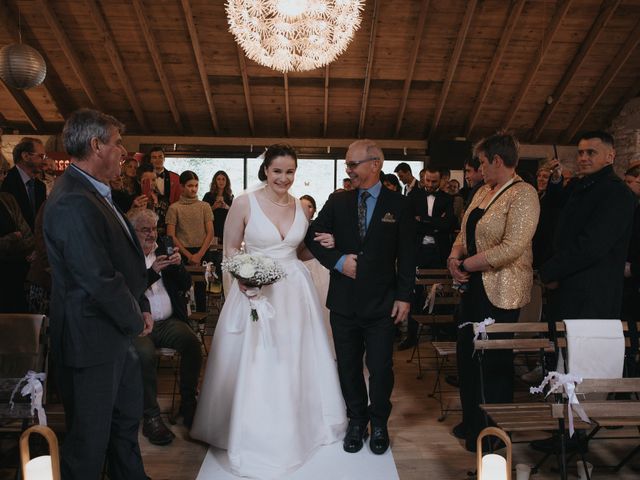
146,186
166,246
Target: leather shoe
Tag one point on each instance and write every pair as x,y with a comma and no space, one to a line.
406,344
459,431
354,438
156,431
379,442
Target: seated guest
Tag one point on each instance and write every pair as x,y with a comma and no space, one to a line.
492,259
16,247
168,282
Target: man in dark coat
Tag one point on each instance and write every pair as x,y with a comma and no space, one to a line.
585,272
21,181
97,305
372,277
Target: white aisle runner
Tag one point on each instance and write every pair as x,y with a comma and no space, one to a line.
328,462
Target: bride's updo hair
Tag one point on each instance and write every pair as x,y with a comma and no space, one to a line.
277,150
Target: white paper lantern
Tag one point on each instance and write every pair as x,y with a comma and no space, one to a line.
22,66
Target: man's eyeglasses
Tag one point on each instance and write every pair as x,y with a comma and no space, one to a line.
43,156
147,230
355,163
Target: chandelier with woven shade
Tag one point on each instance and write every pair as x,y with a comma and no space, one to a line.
294,35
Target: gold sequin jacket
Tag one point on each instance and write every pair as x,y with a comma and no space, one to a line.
504,235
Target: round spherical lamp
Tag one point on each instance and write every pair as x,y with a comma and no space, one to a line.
21,66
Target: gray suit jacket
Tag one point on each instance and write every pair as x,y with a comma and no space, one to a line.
98,272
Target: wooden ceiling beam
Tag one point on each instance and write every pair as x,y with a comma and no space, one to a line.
69,52
325,119
605,80
246,88
286,104
554,26
152,46
453,65
367,75
422,18
605,14
52,83
116,61
632,92
512,19
33,116
202,69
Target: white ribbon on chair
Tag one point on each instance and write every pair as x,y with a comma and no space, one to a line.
479,329
262,312
430,301
209,273
33,387
568,382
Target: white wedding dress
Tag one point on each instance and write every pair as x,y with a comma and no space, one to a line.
271,406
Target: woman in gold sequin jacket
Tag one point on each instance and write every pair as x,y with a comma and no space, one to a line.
491,260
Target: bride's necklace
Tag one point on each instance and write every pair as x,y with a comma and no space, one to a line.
278,203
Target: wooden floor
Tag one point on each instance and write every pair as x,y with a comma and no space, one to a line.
423,447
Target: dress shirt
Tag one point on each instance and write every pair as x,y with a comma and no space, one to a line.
160,181
431,199
159,299
374,193
105,191
411,186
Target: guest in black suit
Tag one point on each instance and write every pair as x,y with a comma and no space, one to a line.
473,178
372,276
436,221
97,306
631,290
22,182
403,170
591,237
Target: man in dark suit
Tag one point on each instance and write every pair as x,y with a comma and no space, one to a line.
403,171
372,275
585,272
97,306
436,221
21,182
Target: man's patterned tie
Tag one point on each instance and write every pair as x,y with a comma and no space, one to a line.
362,214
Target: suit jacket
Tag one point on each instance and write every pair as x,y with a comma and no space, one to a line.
13,184
386,256
98,272
590,248
177,282
440,225
504,235
172,187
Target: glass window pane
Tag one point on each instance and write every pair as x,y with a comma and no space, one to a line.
206,167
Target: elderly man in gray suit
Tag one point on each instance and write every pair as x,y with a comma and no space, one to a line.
97,306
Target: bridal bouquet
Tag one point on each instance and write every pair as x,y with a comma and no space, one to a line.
254,271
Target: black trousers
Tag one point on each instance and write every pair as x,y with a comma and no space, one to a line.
354,337
103,408
497,365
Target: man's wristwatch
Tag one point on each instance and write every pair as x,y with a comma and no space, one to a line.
461,267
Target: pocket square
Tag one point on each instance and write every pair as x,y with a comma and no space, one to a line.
389,218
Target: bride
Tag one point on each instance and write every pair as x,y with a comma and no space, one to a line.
271,406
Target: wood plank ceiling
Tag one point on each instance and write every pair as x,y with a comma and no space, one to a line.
416,69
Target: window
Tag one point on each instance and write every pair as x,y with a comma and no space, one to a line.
205,169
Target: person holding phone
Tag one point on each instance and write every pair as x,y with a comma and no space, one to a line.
190,224
167,283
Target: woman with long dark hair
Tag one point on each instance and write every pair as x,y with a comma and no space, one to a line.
220,197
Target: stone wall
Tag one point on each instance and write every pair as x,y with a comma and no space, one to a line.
625,128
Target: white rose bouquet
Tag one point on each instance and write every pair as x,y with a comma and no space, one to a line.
254,271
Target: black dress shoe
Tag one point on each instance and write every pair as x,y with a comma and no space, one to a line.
354,438
406,344
460,431
156,431
379,442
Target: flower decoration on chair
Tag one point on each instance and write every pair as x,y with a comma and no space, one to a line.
296,35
